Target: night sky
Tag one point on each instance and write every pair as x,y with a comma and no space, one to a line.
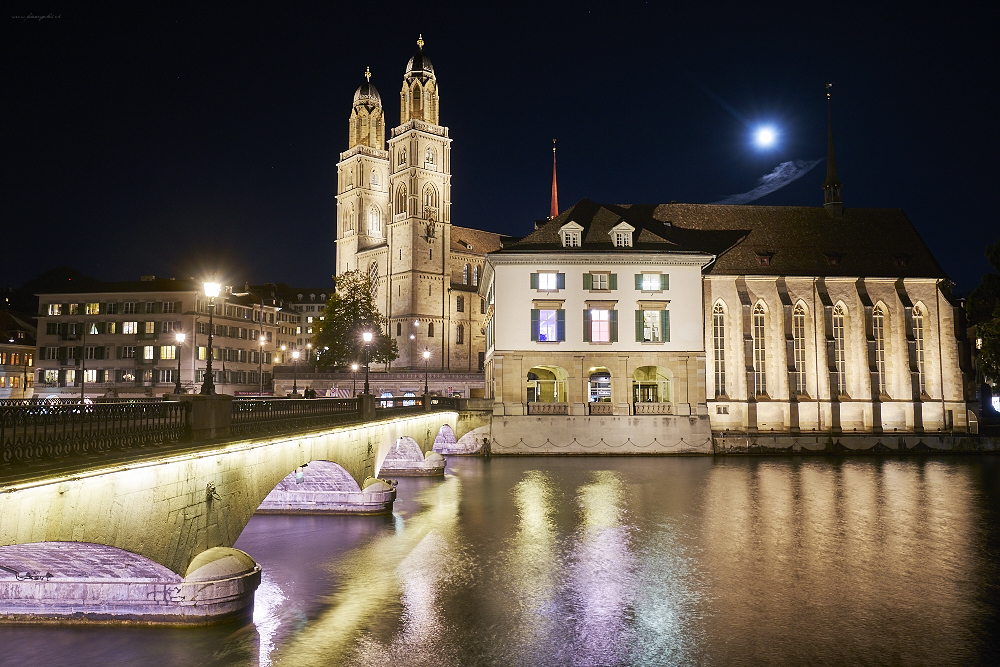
178,140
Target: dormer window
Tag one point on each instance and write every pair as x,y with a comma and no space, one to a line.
764,258
621,235
833,259
900,261
571,235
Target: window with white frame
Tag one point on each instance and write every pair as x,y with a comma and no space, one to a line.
719,348
652,326
128,352
55,309
759,351
599,281
147,352
92,308
548,325
168,352
74,309
799,347
131,307
150,327
623,239
167,375
547,280
130,327
600,325
169,306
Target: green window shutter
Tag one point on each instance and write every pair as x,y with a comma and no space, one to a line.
561,324
638,326
534,320
534,281
638,281
586,326
588,281
560,281
613,281
119,352
664,281
614,326
665,325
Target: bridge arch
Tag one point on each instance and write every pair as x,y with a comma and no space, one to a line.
175,506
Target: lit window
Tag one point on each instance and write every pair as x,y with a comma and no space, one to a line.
74,309
548,281
878,330
839,360
147,352
130,327
548,325
652,326
918,335
652,282
465,274
475,275
92,308
150,327
168,352
55,309
600,326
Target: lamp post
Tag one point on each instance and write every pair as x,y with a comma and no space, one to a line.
354,380
295,372
309,354
180,340
427,357
260,367
208,386
367,338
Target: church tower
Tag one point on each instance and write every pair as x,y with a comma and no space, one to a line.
419,234
362,181
832,186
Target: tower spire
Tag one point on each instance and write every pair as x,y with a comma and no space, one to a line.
832,185
554,206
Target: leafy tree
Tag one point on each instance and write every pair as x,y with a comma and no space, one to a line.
349,312
983,309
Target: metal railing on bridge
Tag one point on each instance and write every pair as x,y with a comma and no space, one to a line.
54,430
252,416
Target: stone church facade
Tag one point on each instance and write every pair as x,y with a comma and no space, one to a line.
394,222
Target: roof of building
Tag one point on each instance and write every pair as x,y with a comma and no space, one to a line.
367,92
753,240
16,329
420,64
481,242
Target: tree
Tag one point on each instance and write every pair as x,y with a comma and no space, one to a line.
349,312
983,309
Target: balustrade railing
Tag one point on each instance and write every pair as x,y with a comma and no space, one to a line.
601,408
49,430
653,408
537,408
257,416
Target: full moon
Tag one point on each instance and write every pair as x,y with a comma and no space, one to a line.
765,136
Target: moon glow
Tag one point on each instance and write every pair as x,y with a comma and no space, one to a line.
765,137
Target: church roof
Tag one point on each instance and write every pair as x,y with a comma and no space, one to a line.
419,64
754,240
367,92
481,242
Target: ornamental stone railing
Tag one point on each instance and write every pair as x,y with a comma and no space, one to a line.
602,408
654,408
535,408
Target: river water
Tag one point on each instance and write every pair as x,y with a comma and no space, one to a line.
613,561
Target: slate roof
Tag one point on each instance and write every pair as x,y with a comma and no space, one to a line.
481,242
753,240
12,325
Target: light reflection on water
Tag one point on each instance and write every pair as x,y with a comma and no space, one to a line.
614,561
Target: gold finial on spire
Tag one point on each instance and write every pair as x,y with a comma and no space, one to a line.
420,42
368,75
553,145
828,87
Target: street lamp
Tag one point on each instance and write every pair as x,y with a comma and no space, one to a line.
260,366
180,340
208,386
354,380
427,356
295,373
367,338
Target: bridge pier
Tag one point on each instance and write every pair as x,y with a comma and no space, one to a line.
322,487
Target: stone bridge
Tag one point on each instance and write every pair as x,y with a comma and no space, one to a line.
174,507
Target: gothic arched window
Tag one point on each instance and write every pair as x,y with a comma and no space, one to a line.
373,277
349,218
465,274
839,360
402,156
374,221
799,347
430,155
719,347
401,199
759,353
918,337
430,330
878,333
475,275
460,304
430,201
460,334
375,178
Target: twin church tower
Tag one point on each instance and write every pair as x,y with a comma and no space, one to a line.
394,222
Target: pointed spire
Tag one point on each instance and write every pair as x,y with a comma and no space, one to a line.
832,186
420,42
368,75
554,206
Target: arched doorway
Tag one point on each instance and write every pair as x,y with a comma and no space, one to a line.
651,390
545,388
599,391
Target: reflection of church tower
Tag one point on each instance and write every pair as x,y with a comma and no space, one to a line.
362,180
419,231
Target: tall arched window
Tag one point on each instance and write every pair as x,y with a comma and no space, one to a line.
416,97
399,328
430,201
349,218
402,156
430,154
799,347
475,275
374,221
465,274
460,334
375,178
719,346
839,361
401,199
460,304
918,336
878,332
430,330
759,356
373,277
